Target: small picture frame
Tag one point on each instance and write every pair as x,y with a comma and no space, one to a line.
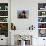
22,14
42,33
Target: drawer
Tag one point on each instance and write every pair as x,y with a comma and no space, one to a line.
3,41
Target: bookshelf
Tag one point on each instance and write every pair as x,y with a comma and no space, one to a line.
42,19
4,19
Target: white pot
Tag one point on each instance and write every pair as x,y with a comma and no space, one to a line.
22,43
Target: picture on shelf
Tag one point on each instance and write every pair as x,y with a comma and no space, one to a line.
3,26
3,19
41,19
41,13
41,6
3,6
3,13
42,33
4,29
41,25
22,14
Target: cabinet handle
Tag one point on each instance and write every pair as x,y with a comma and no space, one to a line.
43,39
1,39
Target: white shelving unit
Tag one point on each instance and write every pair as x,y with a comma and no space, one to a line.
4,23
42,18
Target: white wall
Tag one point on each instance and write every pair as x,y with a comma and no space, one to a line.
23,24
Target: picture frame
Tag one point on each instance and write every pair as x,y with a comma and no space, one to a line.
22,14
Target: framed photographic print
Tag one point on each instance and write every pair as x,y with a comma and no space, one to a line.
22,14
4,29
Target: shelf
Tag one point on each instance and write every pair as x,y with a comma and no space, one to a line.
41,28
41,10
41,22
3,10
42,16
3,16
3,22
